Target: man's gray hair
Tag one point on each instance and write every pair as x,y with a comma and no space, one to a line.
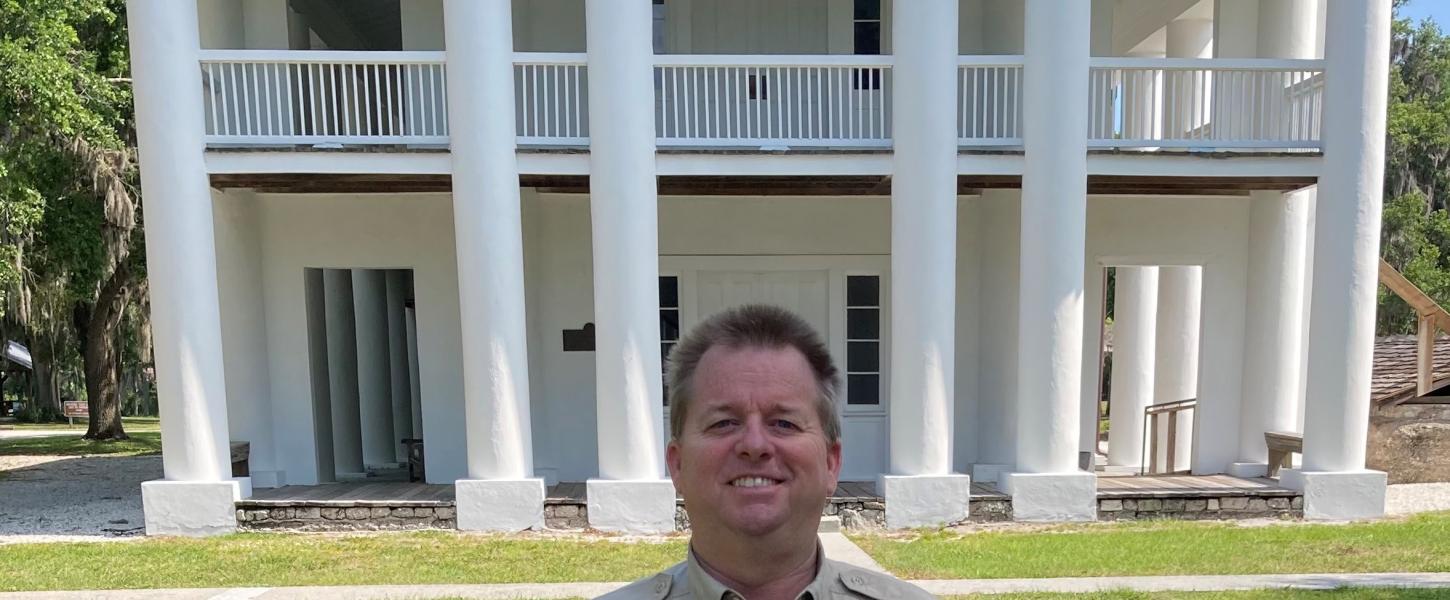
754,326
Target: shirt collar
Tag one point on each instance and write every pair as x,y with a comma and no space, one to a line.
704,587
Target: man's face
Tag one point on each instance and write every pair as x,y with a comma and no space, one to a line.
752,457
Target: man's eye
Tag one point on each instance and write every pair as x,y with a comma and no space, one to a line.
722,423
784,424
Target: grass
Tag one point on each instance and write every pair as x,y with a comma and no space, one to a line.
1339,594
131,424
1417,544
265,560
141,443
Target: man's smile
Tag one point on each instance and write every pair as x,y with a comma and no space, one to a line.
754,482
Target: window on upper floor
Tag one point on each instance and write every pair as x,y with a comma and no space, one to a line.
866,25
658,26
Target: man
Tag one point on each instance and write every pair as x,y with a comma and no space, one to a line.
755,450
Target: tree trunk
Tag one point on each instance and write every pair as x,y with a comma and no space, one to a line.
43,369
100,354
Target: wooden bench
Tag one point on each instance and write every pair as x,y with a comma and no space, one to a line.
1282,446
241,459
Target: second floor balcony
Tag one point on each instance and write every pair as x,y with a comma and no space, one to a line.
769,102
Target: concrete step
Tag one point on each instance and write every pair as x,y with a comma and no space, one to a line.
830,524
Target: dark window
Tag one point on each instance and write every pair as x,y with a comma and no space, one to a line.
864,389
868,37
868,9
863,323
669,324
863,291
863,339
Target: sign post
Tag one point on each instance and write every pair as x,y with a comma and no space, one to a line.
75,408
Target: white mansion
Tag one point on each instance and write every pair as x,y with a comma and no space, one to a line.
479,225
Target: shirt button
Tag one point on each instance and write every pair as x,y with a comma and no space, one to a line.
659,586
857,580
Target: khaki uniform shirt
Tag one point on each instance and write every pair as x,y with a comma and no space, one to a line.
834,581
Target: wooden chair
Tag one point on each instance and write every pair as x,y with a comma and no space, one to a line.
415,458
1282,446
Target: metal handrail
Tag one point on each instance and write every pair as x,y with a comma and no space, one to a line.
1149,457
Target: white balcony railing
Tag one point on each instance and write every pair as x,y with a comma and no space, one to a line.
1205,103
990,91
262,97
324,97
770,100
551,98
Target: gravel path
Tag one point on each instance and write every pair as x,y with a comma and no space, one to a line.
1407,498
51,498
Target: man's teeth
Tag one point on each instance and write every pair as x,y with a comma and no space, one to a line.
752,482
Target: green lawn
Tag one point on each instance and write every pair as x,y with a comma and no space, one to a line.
1417,544
1340,594
141,442
258,559
131,424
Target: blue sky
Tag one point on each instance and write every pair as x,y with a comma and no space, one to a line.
1419,9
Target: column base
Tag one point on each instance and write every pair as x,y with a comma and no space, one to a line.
503,505
244,486
268,479
631,505
1338,495
989,472
190,508
1052,496
925,500
1248,469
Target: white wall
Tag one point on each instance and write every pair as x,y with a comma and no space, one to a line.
260,24
968,333
997,224
295,232
412,231
422,24
557,238
244,344
1208,231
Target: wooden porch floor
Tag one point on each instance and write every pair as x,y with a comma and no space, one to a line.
399,494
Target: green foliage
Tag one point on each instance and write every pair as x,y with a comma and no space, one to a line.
1415,233
65,61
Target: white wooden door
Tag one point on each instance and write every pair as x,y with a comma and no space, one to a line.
807,293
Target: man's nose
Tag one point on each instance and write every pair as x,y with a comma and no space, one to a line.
754,442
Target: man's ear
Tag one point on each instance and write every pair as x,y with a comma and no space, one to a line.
833,462
672,459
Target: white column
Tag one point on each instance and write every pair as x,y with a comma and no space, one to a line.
400,391
374,384
631,493
1188,38
1180,302
1278,225
1142,102
1135,315
196,497
1048,484
501,492
921,489
342,385
1342,308
1287,28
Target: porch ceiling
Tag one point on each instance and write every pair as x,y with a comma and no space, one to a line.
742,185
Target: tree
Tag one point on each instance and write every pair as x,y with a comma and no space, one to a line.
1415,232
65,176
